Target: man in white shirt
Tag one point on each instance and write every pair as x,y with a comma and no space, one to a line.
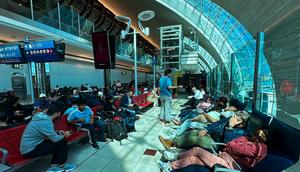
194,99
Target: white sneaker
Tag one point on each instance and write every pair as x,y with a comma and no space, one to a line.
170,156
69,167
164,166
55,169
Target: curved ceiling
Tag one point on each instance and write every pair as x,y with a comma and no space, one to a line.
234,35
258,15
163,17
255,15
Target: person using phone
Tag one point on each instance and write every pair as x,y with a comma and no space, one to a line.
40,139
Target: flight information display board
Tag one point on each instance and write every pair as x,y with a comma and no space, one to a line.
10,54
43,51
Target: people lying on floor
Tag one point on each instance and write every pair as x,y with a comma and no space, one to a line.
220,104
209,117
203,105
194,99
40,139
198,124
42,102
222,131
208,106
153,97
83,117
206,118
240,153
127,103
188,113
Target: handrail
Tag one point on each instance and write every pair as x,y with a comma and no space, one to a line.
4,155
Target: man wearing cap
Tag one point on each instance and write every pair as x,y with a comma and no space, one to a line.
42,103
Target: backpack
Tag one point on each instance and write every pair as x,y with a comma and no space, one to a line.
116,130
129,123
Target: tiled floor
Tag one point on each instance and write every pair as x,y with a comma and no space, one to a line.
129,157
113,157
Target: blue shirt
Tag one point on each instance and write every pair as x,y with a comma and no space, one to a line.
164,83
71,109
86,114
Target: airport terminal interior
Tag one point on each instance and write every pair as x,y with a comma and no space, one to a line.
152,85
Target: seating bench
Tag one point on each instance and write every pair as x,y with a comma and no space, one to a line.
11,138
141,101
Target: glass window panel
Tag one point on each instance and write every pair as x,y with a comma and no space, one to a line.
45,11
16,6
69,20
209,28
221,19
214,36
86,28
226,28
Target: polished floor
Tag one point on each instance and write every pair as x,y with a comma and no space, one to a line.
128,157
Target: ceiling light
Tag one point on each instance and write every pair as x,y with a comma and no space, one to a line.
146,15
122,18
125,20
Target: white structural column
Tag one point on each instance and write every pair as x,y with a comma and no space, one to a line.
135,63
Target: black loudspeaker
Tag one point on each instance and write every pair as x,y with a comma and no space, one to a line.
112,44
104,50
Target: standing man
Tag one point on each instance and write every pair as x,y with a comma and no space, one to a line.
165,84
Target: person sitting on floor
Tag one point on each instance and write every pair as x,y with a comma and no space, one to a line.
40,139
83,116
226,128
194,99
240,153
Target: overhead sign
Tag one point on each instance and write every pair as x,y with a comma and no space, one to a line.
10,54
43,51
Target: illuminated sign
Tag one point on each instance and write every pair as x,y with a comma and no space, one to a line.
10,54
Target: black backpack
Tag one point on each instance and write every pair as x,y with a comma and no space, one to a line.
116,130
